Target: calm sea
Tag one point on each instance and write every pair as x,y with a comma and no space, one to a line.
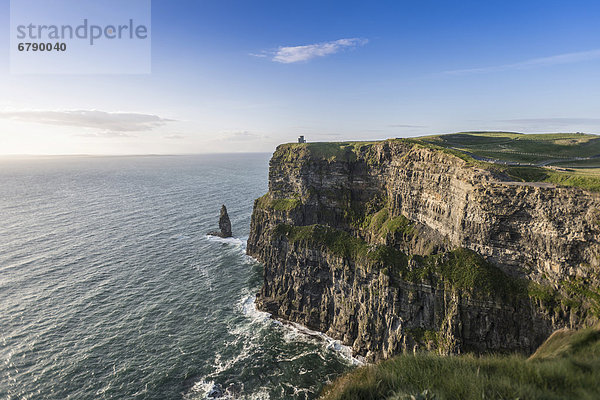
110,288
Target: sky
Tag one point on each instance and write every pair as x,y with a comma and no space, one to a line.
245,76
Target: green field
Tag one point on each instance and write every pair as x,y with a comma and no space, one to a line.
566,366
531,149
565,159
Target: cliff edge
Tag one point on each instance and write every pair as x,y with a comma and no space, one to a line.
400,245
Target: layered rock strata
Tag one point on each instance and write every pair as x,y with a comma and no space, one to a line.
398,245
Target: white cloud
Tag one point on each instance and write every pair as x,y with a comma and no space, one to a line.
294,54
554,121
175,137
111,124
105,134
567,58
241,136
406,126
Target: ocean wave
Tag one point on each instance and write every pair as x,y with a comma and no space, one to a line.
296,332
209,390
214,385
241,242
247,305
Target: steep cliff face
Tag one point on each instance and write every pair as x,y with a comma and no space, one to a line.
396,245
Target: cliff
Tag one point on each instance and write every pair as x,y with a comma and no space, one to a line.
400,245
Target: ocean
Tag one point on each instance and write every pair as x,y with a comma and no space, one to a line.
111,289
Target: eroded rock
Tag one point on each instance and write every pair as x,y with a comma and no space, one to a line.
224,225
422,204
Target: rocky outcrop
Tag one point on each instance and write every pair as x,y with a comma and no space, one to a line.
397,245
224,225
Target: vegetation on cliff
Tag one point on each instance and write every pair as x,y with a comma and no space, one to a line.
382,224
461,269
285,204
566,366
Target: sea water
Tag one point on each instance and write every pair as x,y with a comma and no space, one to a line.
111,289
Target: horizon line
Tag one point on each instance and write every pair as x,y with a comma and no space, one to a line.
90,155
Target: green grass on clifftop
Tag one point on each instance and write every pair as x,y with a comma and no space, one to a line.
329,151
565,159
575,155
566,366
522,148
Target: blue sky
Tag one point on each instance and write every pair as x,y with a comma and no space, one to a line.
232,76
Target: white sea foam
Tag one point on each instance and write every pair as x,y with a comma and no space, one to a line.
249,259
295,332
206,388
239,242
202,389
209,390
300,332
248,307
261,394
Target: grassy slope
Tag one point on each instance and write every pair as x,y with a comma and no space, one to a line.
522,148
566,366
574,152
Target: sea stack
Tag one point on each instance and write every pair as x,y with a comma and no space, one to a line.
224,224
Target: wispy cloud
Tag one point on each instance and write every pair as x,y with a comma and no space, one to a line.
294,54
567,58
110,124
405,126
553,121
105,134
175,137
241,136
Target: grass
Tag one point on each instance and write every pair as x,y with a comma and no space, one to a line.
329,151
467,270
560,149
285,204
593,163
567,342
337,242
424,336
590,181
381,224
436,146
526,174
517,147
566,366
581,291
544,293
